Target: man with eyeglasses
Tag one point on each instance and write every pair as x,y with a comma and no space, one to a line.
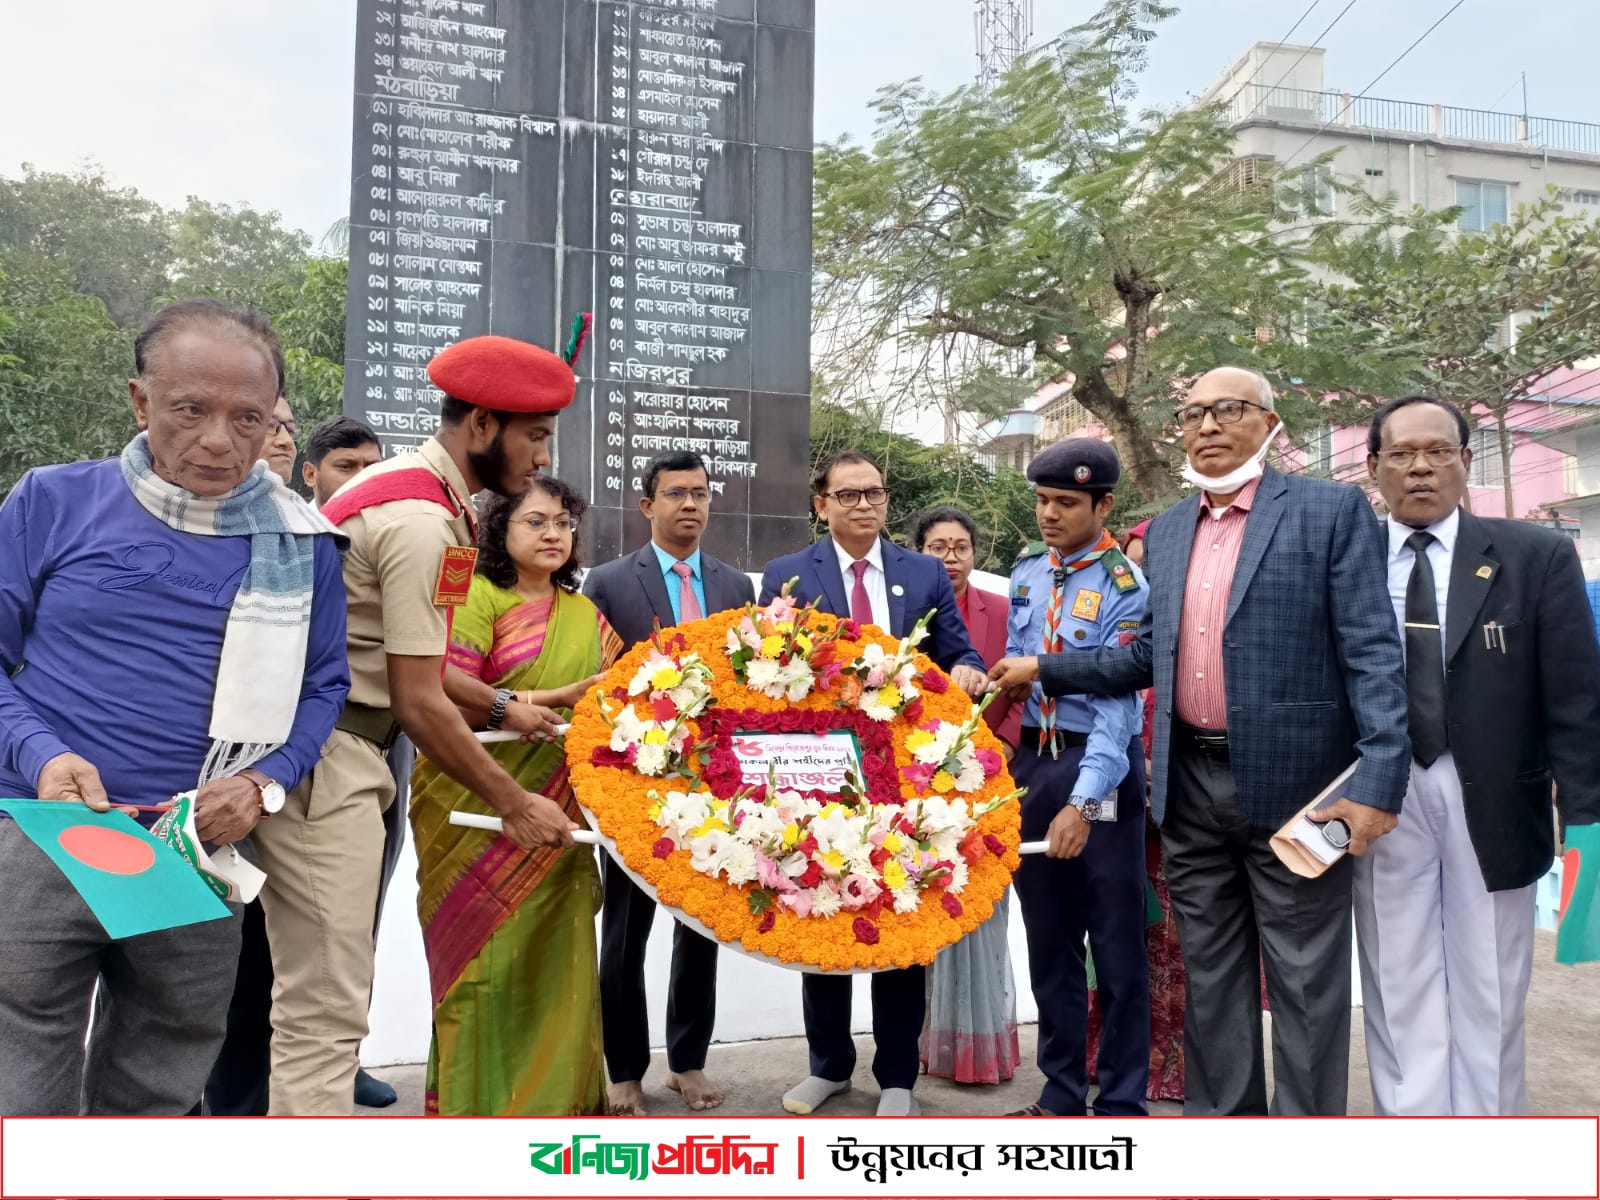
1275,661
855,572
1503,679
669,580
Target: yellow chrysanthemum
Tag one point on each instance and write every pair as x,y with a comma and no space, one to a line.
791,834
655,737
666,678
943,781
833,860
771,646
829,809
655,812
918,740
804,642
894,875
711,823
893,844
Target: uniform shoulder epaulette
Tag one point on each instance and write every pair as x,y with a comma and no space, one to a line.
1032,550
1120,570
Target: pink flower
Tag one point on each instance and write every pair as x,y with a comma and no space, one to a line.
876,677
866,932
767,872
920,775
990,762
663,709
768,921
798,903
936,682
857,891
951,904
663,847
994,844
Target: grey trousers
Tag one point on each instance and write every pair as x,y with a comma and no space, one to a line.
158,1018
1238,908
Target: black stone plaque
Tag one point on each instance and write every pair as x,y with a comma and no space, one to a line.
649,161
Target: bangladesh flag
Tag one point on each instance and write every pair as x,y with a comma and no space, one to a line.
1578,936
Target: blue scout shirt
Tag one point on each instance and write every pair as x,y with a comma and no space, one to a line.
1094,613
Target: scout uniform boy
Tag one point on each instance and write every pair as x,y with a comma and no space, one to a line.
1082,763
412,531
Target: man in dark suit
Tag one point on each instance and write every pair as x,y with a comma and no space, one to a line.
1503,675
1275,662
669,580
855,572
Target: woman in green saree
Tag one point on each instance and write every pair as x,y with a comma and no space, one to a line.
509,933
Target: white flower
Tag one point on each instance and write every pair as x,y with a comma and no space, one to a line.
627,731
651,760
759,824
874,709
930,754
858,857
710,852
958,875
940,815
761,674
799,688
686,812
906,899
794,865
871,655
739,862
971,777
824,900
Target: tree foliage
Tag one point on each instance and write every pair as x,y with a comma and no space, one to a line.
84,264
1055,220
1492,314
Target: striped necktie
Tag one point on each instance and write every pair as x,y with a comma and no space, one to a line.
1052,629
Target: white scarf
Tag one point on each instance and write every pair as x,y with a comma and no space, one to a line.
262,668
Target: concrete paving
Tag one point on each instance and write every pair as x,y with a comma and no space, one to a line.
1563,1063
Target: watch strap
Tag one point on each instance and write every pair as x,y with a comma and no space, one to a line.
497,711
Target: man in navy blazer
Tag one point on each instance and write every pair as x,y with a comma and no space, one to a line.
855,573
1273,651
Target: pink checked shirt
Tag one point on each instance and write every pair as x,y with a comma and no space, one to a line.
1201,700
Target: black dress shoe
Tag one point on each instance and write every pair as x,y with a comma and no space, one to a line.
373,1093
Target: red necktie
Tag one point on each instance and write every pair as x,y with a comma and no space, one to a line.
860,602
688,602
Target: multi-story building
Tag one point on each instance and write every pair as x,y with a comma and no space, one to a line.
1436,156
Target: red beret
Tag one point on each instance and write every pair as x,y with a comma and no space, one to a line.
504,375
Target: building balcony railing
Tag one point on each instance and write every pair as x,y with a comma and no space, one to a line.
1341,110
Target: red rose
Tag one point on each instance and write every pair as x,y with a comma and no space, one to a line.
951,904
913,711
768,921
663,709
605,756
866,932
995,845
620,694
851,631
790,720
972,847
811,876
877,858
663,848
936,682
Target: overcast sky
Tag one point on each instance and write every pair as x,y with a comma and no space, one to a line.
250,102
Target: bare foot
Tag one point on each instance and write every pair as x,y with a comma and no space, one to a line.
698,1092
627,1099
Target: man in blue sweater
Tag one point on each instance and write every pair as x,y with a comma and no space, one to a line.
169,621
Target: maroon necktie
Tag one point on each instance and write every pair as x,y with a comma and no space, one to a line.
860,602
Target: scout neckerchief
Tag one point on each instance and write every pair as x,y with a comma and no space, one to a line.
1052,628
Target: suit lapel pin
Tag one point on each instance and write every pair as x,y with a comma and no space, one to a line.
1485,572
898,590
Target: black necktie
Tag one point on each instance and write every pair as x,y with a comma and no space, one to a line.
1424,657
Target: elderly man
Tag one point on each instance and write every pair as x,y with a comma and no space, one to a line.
1275,660
134,665
1503,675
412,527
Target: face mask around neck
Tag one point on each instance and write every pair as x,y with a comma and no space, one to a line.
1223,485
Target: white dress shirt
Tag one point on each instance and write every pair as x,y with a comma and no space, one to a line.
1441,553
876,582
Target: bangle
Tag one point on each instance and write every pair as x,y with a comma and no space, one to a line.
497,712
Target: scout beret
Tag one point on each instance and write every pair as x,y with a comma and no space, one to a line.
1082,464
503,375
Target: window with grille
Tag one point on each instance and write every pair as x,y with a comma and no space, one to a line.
1486,472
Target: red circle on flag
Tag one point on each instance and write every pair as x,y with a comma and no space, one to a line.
108,850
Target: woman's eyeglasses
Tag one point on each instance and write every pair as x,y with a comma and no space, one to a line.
1224,412
942,549
560,524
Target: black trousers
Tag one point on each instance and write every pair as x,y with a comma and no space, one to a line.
1238,907
899,1001
625,925
238,1083
1101,894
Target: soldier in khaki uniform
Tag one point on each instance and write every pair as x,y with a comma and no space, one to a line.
411,529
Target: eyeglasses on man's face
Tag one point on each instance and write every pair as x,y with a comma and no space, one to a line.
276,426
559,524
678,495
851,497
948,549
1434,456
1225,412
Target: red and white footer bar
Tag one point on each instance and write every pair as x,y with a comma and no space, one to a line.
806,1158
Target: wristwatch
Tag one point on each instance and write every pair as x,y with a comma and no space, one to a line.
1336,833
497,711
271,790
1088,807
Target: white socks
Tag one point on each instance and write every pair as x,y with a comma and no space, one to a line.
897,1102
811,1093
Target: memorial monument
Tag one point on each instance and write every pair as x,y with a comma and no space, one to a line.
649,161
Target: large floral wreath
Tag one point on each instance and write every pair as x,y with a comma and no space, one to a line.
882,869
